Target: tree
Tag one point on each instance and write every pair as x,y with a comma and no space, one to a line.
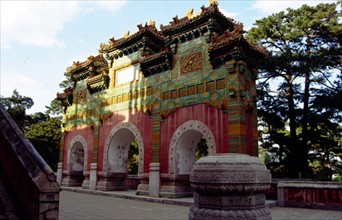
54,109
133,158
325,130
16,105
66,83
45,137
201,149
304,49
40,128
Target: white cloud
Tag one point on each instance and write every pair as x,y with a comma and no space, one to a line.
228,14
35,23
109,5
38,23
271,6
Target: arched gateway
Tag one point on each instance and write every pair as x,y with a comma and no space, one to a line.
169,89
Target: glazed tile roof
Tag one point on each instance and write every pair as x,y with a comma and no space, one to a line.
149,30
232,38
91,60
207,13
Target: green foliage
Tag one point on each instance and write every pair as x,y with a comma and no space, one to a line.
133,158
54,109
304,54
40,128
201,149
67,83
45,137
16,105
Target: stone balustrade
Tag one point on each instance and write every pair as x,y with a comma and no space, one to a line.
310,194
28,180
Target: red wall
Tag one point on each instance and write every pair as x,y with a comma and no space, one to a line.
141,120
214,118
87,133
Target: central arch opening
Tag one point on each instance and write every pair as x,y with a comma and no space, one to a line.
123,161
190,141
190,147
118,151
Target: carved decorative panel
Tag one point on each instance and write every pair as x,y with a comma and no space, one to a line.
81,96
173,94
166,96
200,88
221,84
191,63
191,90
182,92
210,86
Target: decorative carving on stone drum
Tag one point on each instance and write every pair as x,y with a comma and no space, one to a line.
229,186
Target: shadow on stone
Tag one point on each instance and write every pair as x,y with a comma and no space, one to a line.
229,186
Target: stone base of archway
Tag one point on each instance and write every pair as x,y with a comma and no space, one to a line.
73,178
175,186
111,182
143,187
85,183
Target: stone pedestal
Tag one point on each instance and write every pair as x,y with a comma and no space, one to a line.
85,183
111,181
93,176
175,186
154,180
72,178
229,186
59,173
143,188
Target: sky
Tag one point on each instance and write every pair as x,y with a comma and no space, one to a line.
40,39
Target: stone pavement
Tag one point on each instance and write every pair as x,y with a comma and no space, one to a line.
86,204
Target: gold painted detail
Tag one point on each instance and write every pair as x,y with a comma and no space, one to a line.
210,86
212,2
219,104
191,63
104,117
194,89
191,90
166,96
189,13
200,88
149,91
167,112
221,84
81,96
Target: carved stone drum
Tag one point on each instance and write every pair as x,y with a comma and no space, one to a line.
229,186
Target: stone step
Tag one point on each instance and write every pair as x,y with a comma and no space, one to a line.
271,203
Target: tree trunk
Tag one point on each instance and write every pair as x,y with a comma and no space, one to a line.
304,145
293,148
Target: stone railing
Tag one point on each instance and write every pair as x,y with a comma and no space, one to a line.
310,194
29,181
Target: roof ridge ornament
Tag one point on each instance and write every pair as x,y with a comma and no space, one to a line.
189,14
126,35
151,23
213,2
